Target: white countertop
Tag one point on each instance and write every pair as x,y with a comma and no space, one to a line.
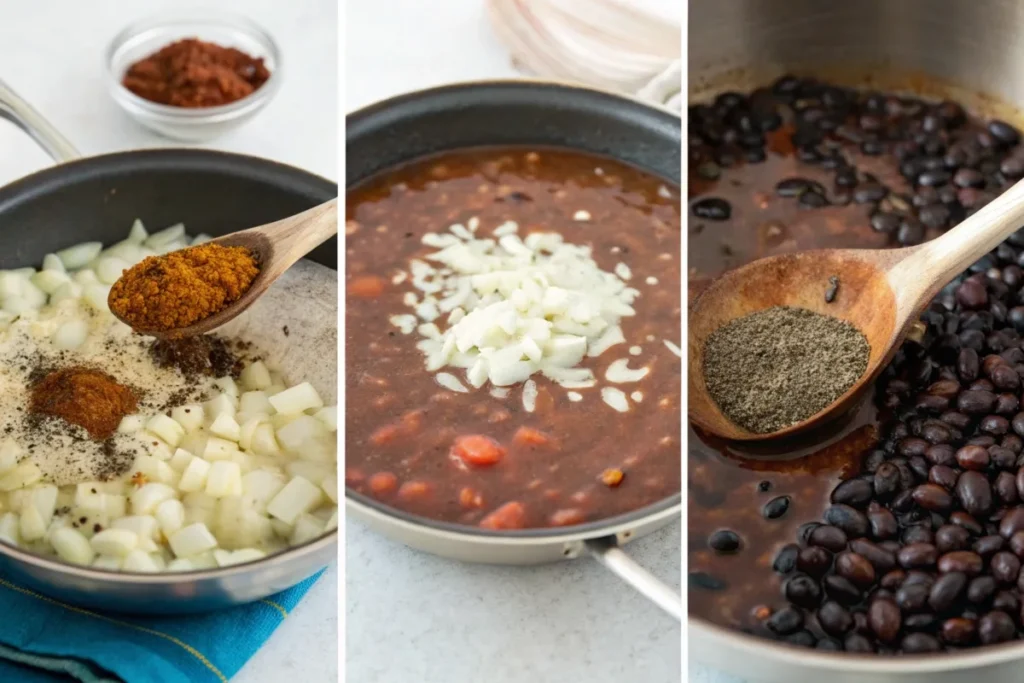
414,617
51,53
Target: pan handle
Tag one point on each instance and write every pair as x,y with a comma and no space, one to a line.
24,116
607,551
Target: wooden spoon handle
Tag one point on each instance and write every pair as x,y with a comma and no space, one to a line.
296,236
920,276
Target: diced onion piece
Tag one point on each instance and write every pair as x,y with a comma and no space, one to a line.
307,527
131,424
49,281
222,404
298,496
219,449
297,399
170,515
615,398
116,542
24,474
68,290
166,236
260,486
294,435
154,469
225,426
201,238
167,428
145,500
329,416
332,521
79,255
109,562
529,396
144,527
180,460
620,372
195,475
85,277
110,268
190,416
192,540
71,335
139,561
32,526
256,376
227,386
330,487
252,402
52,262
226,558
44,500
138,233
673,348
96,296
10,452
263,441
247,430
72,546
225,479
10,531
180,564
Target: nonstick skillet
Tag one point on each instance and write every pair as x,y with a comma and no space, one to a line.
97,198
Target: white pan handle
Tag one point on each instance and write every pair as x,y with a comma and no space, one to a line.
607,552
24,116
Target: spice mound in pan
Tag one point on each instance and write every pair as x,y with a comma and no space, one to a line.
773,368
193,73
173,291
89,398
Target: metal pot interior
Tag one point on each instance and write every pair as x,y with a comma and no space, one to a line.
495,114
970,52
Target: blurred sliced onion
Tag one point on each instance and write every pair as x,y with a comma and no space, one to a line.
629,46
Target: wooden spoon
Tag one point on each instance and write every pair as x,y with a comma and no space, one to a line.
881,292
276,247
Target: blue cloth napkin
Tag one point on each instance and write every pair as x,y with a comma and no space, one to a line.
43,640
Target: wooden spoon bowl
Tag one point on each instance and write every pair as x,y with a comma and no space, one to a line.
881,292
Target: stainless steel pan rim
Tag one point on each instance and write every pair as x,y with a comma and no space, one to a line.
635,128
840,662
316,553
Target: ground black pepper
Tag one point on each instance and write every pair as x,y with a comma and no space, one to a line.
776,367
197,356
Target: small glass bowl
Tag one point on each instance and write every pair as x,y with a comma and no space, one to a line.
145,37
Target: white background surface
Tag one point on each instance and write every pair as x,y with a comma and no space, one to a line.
52,54
412,617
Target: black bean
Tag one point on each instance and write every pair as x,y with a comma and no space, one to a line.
1002,458
855,642
911,232
885,222
803,638
1006,601
803,532
995,627
950,537
841,589
776,507
972,295
943,454
986,546
1017,424
946,589
968,177
963,561
883,524
849,519
976,402
881,559
1004,567
828,537
917,556
913,446
973,491
980,589
933,497
934,216
959,631
705,581
712,208
886,482
724,541
853,492
813,560
1017,544
943,476
913,597
1005,377
1012,167
934,178
885,619
855,568
968,364
917,532
869,193
802,590
785,559
892,580
974,456
966,521
919,643
785,620
764,486
812,200
996,425
1012,522
1003,132
834,619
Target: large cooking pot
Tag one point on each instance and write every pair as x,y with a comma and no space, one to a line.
412,126
963,49
96,198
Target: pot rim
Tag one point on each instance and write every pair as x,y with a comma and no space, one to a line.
41,181
742,644
661,509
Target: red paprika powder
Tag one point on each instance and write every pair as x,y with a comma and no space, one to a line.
192,73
